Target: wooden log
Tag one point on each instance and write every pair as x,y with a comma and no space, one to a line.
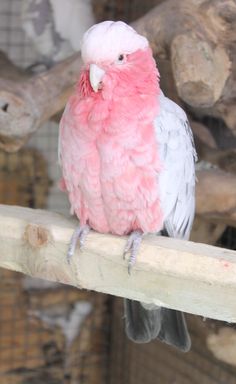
224,159
10,71
200,71
207,149
195,37
26,105
206,231
223,344
192,277
202,136
216,197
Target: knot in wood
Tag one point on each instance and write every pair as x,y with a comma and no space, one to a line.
36,235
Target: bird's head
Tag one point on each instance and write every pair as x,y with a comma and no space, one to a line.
117,61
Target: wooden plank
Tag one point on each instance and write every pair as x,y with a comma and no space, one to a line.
192,277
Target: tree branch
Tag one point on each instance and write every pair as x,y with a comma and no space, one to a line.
192,277
26,105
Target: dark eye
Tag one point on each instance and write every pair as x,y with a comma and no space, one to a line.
121,58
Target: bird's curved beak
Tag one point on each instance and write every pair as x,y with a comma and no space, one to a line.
95,76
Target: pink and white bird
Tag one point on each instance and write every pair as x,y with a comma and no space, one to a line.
127,158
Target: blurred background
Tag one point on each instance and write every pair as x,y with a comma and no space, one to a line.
58,334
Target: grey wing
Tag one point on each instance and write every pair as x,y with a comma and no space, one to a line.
177,178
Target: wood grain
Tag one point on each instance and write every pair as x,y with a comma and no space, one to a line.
188,276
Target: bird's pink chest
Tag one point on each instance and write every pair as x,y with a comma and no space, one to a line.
115,160
129,184
120,184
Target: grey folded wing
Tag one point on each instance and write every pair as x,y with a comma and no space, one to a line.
177,178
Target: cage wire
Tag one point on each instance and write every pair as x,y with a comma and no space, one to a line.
51,332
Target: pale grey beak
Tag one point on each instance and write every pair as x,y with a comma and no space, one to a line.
95,76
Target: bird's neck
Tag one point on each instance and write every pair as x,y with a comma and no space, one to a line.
128,98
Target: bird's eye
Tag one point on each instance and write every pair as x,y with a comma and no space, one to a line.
120,59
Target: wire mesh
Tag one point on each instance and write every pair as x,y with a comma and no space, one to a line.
51,332
20,50
159,363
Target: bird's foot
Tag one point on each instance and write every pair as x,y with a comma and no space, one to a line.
80,234
132,247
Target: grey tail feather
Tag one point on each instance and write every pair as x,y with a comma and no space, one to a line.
174,329
143,325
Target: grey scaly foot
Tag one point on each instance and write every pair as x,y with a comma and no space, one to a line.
80,234
132,247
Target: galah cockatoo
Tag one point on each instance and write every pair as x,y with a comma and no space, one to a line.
127,158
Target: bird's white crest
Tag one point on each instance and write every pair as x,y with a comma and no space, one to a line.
107,40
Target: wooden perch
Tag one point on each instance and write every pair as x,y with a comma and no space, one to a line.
195,37
192,277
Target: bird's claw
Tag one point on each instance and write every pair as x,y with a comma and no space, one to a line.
132,247
80,235
126,250
130,266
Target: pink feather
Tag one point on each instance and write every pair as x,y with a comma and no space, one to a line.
109,152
